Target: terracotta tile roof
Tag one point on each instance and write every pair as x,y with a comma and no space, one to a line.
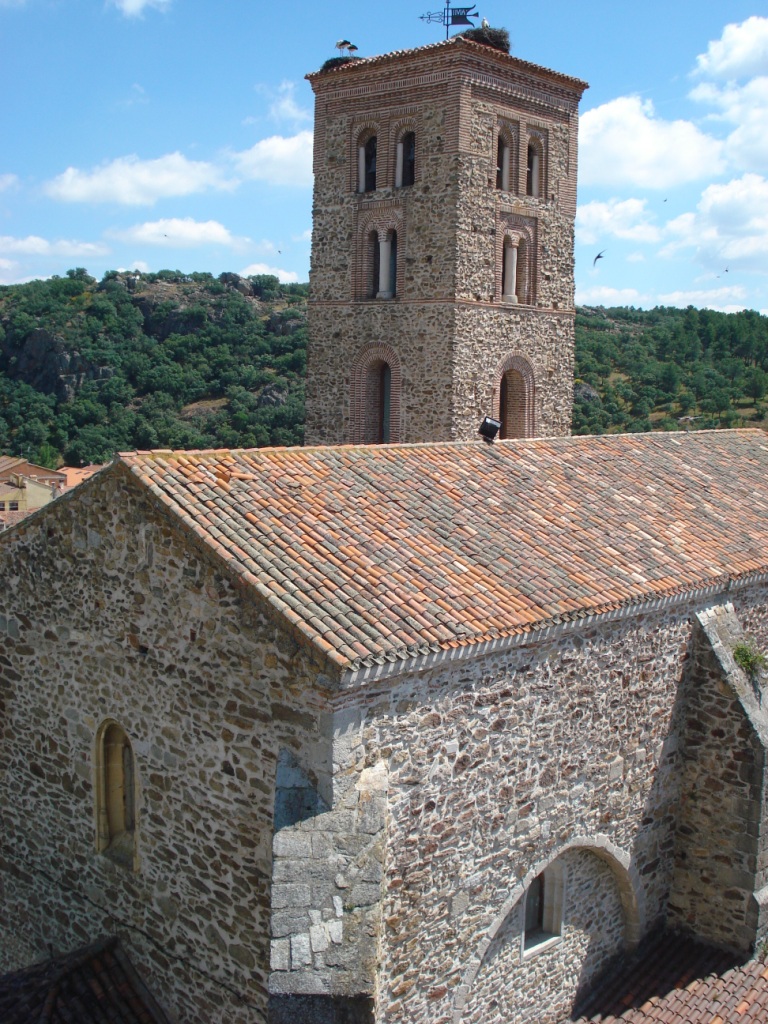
94,985
448,44
75,475
378,553
676,980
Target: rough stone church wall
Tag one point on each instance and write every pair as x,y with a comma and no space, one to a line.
106,612
566,750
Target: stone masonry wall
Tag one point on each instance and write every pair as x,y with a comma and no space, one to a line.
720,855
326,897
107,612
497,767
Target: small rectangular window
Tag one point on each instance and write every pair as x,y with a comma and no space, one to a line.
13,506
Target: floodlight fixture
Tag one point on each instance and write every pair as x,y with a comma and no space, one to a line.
489,428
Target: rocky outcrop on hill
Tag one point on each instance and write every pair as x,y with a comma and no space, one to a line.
44,361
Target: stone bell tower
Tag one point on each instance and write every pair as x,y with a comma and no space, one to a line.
442,249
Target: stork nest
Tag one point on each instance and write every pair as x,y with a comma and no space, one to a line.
498,38
336,62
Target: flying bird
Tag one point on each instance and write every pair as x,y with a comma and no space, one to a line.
598,257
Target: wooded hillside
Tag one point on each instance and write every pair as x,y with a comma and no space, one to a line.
170,360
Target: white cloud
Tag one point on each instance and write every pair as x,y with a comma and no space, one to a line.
285,276
8,181
136,182
727,300
179,232
746,107
278,160
617,218
305,236
284,106
33,245
136,8
604,296
741,51
622,142
729,227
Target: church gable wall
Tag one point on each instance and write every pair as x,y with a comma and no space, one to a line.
109,612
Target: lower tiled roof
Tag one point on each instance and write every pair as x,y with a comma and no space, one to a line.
676,980
94,985
384,552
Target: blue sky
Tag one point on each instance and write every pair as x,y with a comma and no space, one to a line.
177,134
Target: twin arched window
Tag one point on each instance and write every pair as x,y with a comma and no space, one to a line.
115,795
506,164
368,177
382,264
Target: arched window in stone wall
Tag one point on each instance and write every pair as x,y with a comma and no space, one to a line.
535,175
375,397
116,795
544,908
516,254
405,160
377,256
367,145
506,160
514,398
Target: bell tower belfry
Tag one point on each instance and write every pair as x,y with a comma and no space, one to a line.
442,275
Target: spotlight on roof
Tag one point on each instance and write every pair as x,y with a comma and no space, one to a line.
489,429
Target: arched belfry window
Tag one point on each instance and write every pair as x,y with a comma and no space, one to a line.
366,165
116,789
517,278
405,168
378,403
382,264
506,161
374,265
534,175
515,393
375,398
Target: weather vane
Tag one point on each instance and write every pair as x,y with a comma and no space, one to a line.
451,16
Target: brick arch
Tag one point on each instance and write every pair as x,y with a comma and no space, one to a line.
526,394
509,135
629,887
399,130
363,132
367,359
381,222
538,139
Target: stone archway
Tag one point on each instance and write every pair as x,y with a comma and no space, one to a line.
629,896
